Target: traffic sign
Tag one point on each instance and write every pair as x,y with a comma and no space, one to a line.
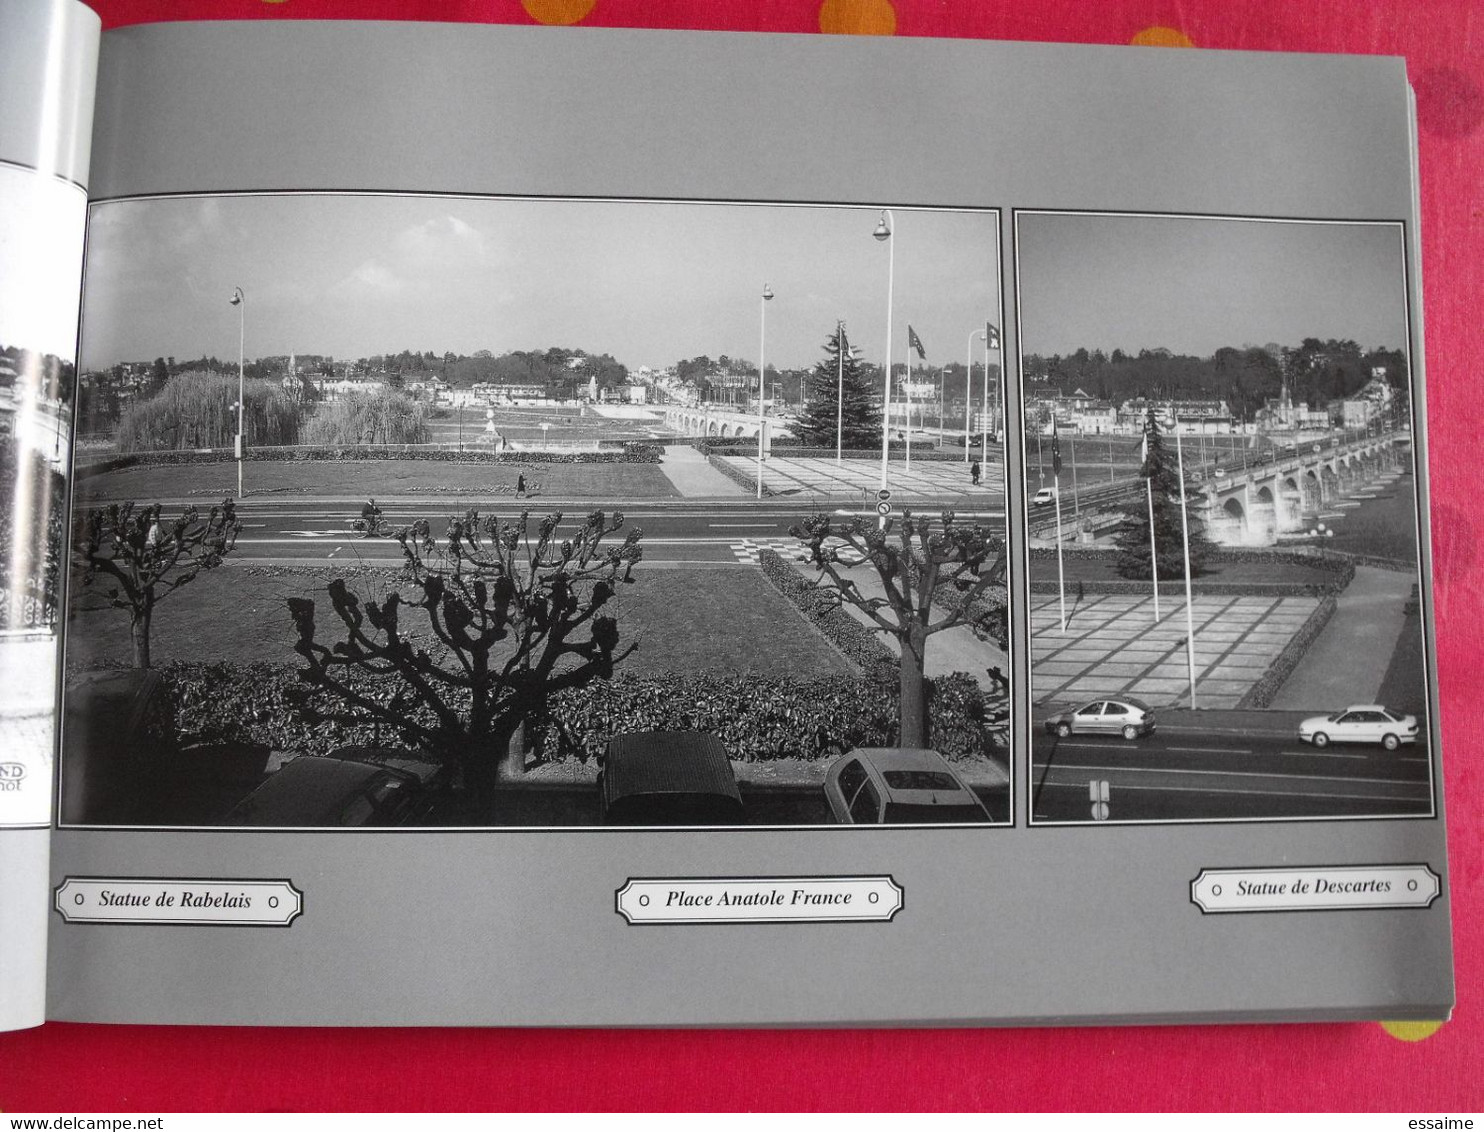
884,494
883,508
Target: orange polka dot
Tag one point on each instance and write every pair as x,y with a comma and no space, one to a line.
1161,37
857,17
1411,1031
557,11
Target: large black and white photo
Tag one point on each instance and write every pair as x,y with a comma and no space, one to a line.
1222,518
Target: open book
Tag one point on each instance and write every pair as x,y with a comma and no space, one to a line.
557,526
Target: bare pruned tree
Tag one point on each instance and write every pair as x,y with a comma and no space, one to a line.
148,557
508,617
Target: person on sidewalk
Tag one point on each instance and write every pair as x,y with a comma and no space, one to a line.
520,486
974,472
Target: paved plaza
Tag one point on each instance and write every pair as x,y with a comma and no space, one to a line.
859,479
1112,646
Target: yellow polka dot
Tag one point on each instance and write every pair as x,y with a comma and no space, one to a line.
857,17
557,11
1411,1031
1161,37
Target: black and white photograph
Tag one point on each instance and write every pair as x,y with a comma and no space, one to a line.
1222,519
449,511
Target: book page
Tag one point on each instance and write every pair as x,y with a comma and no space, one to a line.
48,54
819,532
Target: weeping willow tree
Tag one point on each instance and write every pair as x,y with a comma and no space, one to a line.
385,417
199,410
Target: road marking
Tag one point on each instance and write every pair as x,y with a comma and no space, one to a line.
1082,787
1211,750
1246,774
720,525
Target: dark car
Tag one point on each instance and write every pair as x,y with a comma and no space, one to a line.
118,739
668,778
1122,716
899,786
378,788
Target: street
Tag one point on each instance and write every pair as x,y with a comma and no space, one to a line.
1257,770
307,531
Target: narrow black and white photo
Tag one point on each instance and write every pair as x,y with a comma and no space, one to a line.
436,511
1222,519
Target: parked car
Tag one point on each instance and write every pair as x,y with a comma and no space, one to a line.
1043,497
668,778
118,738
898,786
1360,723
355,786
1124,716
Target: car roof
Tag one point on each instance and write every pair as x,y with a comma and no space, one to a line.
667,762
886,760
900,758
1369,707
307,789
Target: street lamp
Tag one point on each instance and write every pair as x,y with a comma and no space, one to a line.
883,235
762,422
239,300
968,387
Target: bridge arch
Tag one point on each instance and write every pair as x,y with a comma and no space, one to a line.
1236,516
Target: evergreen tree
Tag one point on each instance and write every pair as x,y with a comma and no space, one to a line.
858,400
1163,473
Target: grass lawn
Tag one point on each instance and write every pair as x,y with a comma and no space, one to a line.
384,479
683,621
1243,573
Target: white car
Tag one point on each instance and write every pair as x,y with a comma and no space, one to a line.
1360,723
1043,497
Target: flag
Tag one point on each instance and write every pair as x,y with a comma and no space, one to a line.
1055,449
844,345
991,336
915,342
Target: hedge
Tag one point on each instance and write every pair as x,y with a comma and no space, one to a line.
737,476
757,717
1261,694
631,454
1340,567
821,607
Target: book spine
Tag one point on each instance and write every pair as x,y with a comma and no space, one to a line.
48,67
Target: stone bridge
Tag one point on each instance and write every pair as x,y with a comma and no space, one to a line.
720,421
1252,506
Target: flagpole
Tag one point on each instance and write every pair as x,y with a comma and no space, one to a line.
1149,489
1061,581
984,424
969,395
840,394
1185,539
1072,446
907,401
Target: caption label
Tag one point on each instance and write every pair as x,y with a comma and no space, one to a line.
758,900
1316,889
144,900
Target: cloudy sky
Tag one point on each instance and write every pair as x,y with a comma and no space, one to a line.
1194,284
649,283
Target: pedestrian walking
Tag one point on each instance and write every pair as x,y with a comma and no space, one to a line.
520,485
974,472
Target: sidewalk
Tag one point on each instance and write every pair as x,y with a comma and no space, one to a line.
1348,662
693,475
951,650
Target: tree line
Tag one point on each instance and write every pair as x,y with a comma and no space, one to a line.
1317,371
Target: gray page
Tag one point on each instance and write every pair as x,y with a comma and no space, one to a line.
1016,922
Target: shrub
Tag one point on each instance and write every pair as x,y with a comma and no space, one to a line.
821,606
195,410
757,717
385,417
